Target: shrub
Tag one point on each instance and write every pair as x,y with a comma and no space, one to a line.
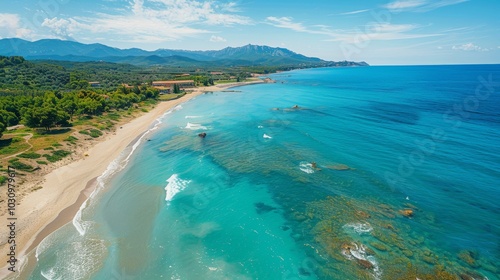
31,155
71,139
57,155
16,164
95,133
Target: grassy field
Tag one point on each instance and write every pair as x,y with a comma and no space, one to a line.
170,96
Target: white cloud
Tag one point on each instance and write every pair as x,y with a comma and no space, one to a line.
381,32
11,26
217,39
153,20
470,47
231,7
62,28
287,23
420,5
371,32
405,4
444,3
391,28
354,12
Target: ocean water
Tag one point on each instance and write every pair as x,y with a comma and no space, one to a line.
331,173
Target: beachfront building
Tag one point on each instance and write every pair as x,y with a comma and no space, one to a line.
95,84
168,86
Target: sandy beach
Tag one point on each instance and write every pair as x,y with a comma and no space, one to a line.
66,188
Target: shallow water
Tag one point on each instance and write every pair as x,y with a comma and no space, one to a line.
314,192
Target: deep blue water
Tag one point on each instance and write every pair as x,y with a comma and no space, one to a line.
314,192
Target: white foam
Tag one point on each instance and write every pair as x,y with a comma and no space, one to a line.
359,228
267,136
78,259
174,186
260,126
306,167
115,166
49,274
359,252
78,222
193,117
195,126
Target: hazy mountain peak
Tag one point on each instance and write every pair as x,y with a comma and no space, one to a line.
249,54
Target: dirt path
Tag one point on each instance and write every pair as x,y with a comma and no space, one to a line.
26,138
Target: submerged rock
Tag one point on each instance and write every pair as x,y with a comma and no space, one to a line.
469,258
365,264
362,214
285,228
263,208
406,212
470,275
202,135
339,167
304,272
379,246
299,217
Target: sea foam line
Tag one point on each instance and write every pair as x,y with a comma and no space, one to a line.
115,166
306,167
195,126
359,228
175,185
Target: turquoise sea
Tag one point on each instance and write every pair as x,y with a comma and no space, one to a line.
377,173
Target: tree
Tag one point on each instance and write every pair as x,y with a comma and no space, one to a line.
3,124
2,129
69,104
45,117
176,89
8,118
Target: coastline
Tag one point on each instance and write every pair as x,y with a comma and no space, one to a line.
67,187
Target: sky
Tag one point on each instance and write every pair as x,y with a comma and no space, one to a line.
380,32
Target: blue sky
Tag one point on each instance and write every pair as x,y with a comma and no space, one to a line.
376,31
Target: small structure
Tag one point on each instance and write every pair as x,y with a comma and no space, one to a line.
168,86
95,84
183,84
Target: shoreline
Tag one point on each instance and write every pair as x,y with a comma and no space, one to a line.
67,187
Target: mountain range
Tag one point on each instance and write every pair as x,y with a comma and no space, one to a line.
249,55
